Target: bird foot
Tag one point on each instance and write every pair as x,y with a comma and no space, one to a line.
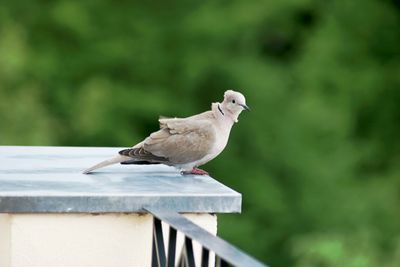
195,171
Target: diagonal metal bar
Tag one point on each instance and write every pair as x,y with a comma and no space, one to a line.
220,247
158,254
171,247
205,257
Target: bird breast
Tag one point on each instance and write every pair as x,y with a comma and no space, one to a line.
221,140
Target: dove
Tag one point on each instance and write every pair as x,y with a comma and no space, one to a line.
186,143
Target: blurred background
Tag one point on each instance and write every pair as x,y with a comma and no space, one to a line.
317,159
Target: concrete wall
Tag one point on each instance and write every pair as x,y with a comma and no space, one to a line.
74,240
5,242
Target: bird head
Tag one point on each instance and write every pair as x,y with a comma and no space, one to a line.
234,103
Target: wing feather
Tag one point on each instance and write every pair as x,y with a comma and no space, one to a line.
178,141
181,140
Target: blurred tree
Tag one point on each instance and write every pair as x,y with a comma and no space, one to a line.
316,159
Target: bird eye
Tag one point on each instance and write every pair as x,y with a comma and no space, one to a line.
233,101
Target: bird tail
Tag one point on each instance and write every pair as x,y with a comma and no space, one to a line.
114,160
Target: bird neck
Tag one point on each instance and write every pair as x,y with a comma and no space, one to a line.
222,114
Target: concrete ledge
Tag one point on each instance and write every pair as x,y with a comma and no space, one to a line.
49,180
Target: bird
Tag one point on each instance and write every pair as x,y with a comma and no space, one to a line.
186,143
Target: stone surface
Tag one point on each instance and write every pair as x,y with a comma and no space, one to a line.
50,179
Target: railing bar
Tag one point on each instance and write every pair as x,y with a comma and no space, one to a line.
189,251
180,262
183,257
159,242
205,257
217,261
228,252
223,263
154,254
171,247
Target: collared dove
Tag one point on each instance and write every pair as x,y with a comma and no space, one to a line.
186,143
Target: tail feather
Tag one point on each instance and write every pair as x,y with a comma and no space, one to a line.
114,160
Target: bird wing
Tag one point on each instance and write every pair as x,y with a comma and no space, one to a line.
140,154
181,140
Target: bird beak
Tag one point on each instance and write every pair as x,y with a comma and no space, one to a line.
245,107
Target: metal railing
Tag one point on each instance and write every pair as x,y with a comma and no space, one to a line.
225,253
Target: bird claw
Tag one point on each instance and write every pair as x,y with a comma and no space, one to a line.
195,171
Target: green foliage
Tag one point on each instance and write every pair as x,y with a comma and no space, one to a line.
317,158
